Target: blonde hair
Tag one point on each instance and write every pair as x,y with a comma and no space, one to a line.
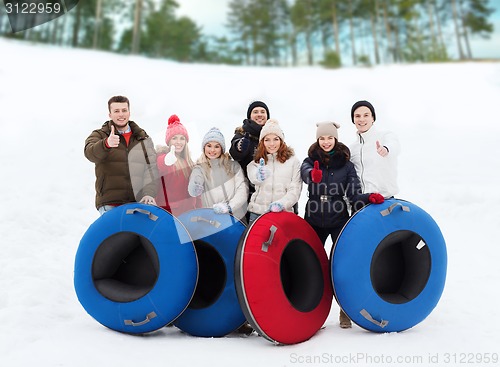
225,161
185,164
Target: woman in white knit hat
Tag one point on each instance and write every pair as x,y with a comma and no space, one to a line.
330,177
218,179
275,172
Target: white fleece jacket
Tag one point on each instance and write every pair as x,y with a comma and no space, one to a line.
376,173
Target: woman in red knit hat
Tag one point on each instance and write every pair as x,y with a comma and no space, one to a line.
174,167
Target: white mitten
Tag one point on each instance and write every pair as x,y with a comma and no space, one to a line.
170,157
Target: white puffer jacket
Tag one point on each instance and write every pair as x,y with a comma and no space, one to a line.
220,187
376,173
283,185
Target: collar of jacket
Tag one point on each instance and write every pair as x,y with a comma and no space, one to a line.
337,159
137,132
367,135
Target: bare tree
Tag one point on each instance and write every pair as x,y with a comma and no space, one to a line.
136,35
457,29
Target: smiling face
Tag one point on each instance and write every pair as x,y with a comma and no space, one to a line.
363,119
259,115
120,114
179,142
326,142
272,143
212,150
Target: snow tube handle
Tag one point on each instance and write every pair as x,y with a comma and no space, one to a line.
201,219
389,210
142,211
265,245
148,318
366,315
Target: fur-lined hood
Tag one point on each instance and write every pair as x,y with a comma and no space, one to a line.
162,149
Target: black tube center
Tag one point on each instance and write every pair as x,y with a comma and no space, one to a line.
400,267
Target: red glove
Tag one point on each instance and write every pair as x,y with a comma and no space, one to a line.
316,173
376,198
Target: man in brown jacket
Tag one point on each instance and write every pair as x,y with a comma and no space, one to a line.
124,157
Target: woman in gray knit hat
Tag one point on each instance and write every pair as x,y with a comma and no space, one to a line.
218,179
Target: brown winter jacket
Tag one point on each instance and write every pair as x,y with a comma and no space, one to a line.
126,173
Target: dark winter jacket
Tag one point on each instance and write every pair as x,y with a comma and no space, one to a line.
243,158
123,174
326,207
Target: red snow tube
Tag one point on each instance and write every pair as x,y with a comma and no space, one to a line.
282,278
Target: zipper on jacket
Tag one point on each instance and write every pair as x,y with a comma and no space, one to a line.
362,175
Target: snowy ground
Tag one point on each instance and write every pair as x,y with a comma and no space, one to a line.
51,99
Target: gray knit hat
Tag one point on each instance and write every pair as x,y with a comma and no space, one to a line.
327,128
271,127
214,134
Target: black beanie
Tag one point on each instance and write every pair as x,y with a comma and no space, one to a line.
257,104
360,104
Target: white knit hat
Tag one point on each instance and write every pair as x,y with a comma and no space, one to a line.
214,134
272,127
327,128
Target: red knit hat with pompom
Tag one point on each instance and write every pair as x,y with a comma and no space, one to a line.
175,128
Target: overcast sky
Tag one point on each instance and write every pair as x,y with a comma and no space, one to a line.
212,15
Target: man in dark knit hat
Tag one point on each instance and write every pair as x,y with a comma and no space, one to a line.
374,153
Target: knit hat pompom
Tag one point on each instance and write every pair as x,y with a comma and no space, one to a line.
327,128
173,119
255,104
361,104
175,127
214,134
272,127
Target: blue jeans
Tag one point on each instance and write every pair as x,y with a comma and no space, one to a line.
105,208
252,217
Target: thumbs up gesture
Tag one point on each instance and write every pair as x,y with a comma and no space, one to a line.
382,151
262,171
316,173
170,157
113,140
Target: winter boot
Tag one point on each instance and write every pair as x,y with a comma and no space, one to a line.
345,322
245,329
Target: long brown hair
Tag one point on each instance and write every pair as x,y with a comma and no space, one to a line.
316,152
283,154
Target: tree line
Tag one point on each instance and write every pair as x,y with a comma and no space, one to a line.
275,32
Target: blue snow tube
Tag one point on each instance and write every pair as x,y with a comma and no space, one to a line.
214,310
135,269
388,266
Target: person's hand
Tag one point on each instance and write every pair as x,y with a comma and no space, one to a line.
148,200
243,143
198,189
262,172
316,173
376,198
221,208
170,157
382,151
276,207
113,140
